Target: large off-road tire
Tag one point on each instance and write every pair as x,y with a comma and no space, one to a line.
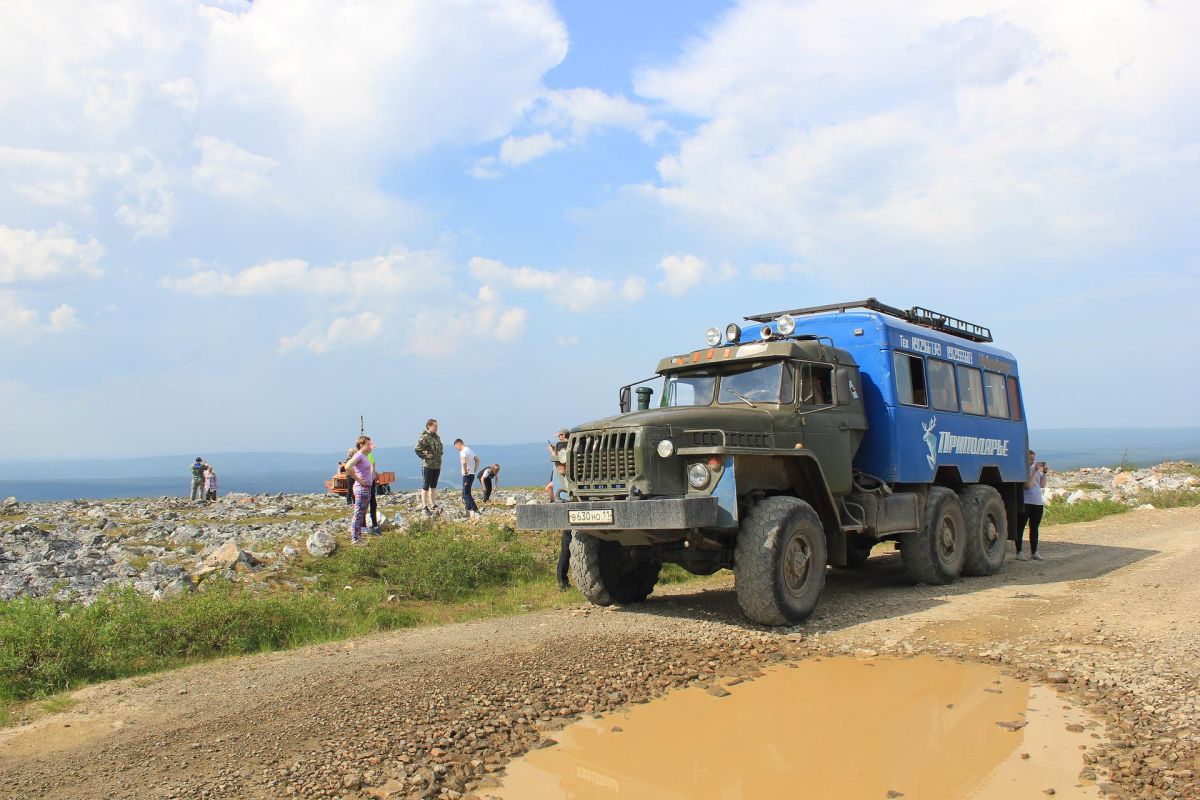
608,572
987,529
779,562
935,554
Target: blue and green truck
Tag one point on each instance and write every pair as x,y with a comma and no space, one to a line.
794,441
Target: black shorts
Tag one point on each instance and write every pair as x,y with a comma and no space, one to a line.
429,477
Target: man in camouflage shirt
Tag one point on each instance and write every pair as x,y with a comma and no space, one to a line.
429,450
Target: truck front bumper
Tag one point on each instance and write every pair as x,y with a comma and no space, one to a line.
675,513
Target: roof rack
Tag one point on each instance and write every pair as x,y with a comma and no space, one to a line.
916,315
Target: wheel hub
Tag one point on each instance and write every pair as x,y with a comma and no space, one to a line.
797,559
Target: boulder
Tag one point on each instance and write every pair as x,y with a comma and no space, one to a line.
228,555
321,543
9,503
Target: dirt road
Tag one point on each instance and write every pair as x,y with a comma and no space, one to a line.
1110,616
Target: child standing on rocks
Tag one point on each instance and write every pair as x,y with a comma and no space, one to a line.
360,471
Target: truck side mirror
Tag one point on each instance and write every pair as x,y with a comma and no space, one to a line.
624,400
843,387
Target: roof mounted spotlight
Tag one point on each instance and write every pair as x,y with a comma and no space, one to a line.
733,333
713,336
766,333
786,325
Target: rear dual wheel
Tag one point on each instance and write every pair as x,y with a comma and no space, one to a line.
935,554
987,529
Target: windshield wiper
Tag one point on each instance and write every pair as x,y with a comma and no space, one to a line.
743,398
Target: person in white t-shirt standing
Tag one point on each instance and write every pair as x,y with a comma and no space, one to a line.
469,462
1034,506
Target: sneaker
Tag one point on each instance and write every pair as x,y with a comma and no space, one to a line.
562,587
359,542
427,511
375,531
1022,557
1037,557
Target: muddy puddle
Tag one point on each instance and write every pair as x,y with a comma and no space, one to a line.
843,727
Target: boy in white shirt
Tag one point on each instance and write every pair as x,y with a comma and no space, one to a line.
469,463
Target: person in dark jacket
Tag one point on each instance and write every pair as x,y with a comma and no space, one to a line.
429,450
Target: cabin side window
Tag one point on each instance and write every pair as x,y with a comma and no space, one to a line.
997,397
941,385
970,390
1014,398
816,385
910,380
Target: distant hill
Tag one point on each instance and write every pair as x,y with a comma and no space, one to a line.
521,465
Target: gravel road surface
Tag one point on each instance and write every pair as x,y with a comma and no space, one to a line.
1109,617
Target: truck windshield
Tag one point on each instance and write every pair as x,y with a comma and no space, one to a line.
689,388
759,382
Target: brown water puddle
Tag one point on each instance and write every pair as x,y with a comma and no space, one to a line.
842,728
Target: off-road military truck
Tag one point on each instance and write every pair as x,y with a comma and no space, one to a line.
796,441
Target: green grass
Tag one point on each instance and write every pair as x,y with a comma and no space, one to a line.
1087,485
1059,512
434,572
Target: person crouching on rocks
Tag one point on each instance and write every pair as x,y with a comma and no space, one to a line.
489,479
360,471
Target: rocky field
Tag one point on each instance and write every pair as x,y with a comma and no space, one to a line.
1108,619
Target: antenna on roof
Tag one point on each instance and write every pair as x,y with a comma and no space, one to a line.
362,430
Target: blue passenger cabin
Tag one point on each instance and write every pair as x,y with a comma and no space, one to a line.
943,405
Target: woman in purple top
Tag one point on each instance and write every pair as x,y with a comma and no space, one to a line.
359,470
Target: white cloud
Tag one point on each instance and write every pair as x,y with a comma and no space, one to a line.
342,332
226,169
906,129
321,95
54,253
399,271
633,288
583,111
571,290
567,341
516,150
681,273
20,322
567,118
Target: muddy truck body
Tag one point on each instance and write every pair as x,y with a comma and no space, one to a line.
796,441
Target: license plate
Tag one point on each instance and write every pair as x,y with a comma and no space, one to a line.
600,516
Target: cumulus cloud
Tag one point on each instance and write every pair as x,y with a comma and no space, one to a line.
634,288
19,322
902,127
681,273
317,95
571,290
226,169
565,118
387,275
516,150
356,331
27,256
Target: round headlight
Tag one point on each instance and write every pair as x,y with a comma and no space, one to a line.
698,476
562,456
666,448
733,333
713,337
786,325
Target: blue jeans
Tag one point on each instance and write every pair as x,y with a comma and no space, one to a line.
468,499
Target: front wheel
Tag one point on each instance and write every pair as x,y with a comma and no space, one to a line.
608,572
935,554
779,562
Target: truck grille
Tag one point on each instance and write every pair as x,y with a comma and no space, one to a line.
732,439
603,457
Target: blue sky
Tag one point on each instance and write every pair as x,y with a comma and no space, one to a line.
227,226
